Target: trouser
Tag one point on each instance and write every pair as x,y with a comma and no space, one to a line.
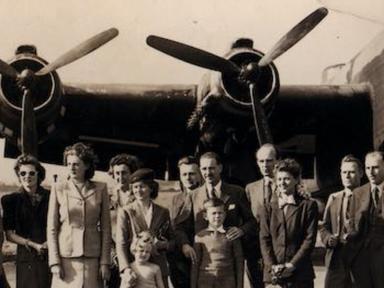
212,279
368,267
254,270
179,270
338,273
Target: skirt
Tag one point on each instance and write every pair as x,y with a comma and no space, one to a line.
32,274
80,272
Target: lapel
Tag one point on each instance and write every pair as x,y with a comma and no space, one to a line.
338,212
200,196
225,194
362,198
137,217
156,219
294,208
71,190
89,189
279,214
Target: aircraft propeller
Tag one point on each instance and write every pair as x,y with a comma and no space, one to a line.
27,79
248,74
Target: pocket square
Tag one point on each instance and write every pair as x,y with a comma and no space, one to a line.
231,206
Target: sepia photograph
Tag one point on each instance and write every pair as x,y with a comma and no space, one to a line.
192,144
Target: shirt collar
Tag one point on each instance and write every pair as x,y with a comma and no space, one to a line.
348,192
380,187
213,229
286,200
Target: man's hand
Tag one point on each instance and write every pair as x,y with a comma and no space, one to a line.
161,244
105,272
57,271
234,233
333,241
189,252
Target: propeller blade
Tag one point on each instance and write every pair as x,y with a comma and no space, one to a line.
192,55
294,35
7,70
260,119
28,126
80,50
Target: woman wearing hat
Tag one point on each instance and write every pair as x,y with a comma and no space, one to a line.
25,223
79,226
143,215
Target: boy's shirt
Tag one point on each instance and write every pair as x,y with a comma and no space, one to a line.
215,253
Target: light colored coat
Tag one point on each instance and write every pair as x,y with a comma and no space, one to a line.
79,224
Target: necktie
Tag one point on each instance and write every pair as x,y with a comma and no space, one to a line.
375,196
348,207
267,192
213,193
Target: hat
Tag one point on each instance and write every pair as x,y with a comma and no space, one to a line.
143,174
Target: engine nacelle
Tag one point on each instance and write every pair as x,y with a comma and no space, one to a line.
267,84
46,94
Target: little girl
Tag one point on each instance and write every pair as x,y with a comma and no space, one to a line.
146,274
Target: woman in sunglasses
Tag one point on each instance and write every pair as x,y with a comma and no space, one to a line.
24,220
79,225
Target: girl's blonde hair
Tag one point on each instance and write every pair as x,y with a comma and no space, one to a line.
144,239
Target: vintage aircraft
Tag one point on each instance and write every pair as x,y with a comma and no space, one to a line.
236,108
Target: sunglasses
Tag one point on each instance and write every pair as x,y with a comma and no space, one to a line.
30,173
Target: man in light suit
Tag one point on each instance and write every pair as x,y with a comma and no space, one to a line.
259,193
368,267
190,179
337,231
239,220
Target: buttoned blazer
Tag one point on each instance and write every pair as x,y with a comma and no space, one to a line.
79,223
289,238
238,210
131,221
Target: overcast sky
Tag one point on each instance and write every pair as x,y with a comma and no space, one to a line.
56,26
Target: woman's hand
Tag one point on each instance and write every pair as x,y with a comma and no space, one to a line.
40,248
129,277
105,272
57,271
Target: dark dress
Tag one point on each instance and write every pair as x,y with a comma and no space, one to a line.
28,221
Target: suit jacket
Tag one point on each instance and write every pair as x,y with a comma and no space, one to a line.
131,221
330,226
290,238
255,194
362,198
239,212
79,223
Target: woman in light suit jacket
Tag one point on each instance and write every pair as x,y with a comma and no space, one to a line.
79,226
143,215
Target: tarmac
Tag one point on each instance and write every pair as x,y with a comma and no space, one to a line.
10,270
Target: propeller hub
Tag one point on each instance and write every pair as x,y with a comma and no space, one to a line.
250,73
26,79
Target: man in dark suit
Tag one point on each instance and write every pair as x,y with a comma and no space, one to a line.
259,193
239,220
190,179
336,230
368,267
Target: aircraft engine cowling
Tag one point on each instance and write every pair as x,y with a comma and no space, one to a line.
237,90
46,93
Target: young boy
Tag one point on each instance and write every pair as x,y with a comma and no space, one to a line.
219,262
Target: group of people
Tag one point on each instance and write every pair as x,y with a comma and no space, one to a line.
80,235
